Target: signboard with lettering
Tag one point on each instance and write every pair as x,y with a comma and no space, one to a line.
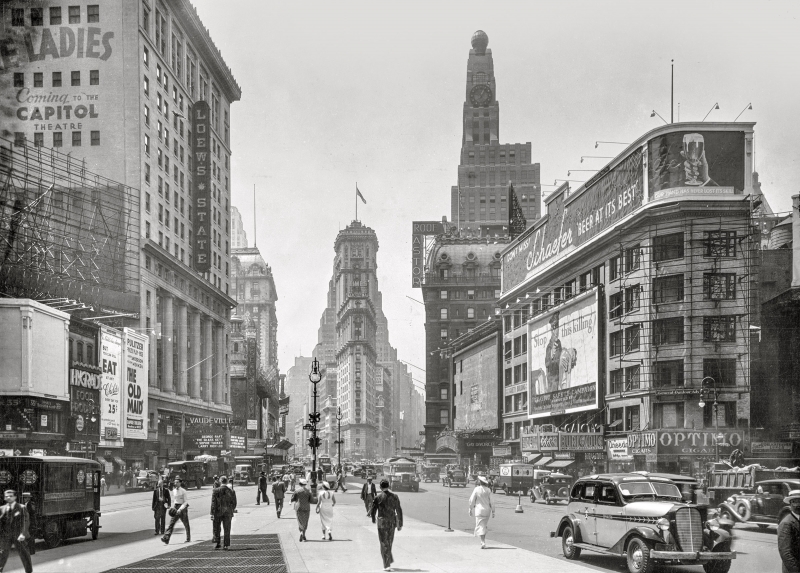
698,442
618,450
204,441
84,400
605,200
136,350
771,447
201,181
501,451
643,443
563,358
587,442
110,393
419,230
238,441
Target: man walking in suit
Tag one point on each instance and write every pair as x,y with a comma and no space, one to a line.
389,516
223,504
261,493
279,492
161,502
14,521
368,493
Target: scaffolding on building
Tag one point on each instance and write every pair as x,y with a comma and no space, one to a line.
66,234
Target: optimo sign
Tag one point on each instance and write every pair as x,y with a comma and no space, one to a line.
569,224
201,181
563,357
419,230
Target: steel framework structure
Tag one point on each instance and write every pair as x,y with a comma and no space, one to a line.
65,232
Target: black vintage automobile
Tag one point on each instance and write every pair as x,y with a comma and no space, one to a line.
553,488
643,519
62,494
763,508
430,473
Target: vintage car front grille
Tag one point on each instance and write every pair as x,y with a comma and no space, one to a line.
689,529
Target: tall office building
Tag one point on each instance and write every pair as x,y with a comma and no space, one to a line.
238,234
480,200
138,92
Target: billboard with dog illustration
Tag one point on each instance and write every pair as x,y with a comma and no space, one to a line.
563,358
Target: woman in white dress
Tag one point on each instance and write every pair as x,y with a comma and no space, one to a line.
325,503
480,505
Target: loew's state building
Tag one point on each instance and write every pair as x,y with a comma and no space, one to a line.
139,93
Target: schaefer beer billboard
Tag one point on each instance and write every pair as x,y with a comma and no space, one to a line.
563,357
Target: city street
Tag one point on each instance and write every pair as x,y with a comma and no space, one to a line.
127,533
756,549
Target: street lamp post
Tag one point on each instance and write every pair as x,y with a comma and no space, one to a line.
706,392
339,441
314,376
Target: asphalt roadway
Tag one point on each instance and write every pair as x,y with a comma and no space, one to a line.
127,530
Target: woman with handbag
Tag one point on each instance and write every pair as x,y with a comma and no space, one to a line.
325,505
480,505
302,500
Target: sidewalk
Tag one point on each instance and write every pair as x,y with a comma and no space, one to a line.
419,546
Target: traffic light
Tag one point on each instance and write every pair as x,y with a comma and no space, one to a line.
314,417
313,442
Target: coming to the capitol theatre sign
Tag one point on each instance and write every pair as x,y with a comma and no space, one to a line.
201,178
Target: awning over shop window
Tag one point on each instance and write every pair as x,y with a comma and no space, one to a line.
119,461
282,445
102,460
545,460
532,458
561,464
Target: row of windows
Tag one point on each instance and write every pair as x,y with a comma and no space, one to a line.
56,80
469,294
73,15
672,415
58,138
670,288
671,331
518,346
515,375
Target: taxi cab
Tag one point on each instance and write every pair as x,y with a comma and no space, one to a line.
643,519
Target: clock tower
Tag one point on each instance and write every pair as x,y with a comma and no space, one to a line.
481,110
479,203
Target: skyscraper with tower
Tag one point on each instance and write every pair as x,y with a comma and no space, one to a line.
479,202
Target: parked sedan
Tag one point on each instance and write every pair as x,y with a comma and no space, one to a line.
763,508
643,519
146,479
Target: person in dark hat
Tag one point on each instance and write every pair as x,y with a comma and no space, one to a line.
386,508
223,505
160,505
14,522
279,492
261,492
368,493
789,534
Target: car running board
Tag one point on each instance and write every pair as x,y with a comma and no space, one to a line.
595,548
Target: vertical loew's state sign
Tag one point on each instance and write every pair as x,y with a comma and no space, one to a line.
135,384
111,381
201,181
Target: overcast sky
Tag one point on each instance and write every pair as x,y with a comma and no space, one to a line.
335,93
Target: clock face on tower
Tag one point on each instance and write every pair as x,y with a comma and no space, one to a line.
480,96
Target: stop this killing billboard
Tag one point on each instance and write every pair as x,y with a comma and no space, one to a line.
563,357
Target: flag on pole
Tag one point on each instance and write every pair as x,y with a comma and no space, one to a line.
358,193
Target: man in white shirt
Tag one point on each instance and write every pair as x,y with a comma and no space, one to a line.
179,510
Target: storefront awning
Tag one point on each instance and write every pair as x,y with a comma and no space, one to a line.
101,459
119,461
282,445
561,464
544,461
532,458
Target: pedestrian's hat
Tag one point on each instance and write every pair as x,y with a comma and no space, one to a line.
302,481
483,480
794,494
263,474
326,485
